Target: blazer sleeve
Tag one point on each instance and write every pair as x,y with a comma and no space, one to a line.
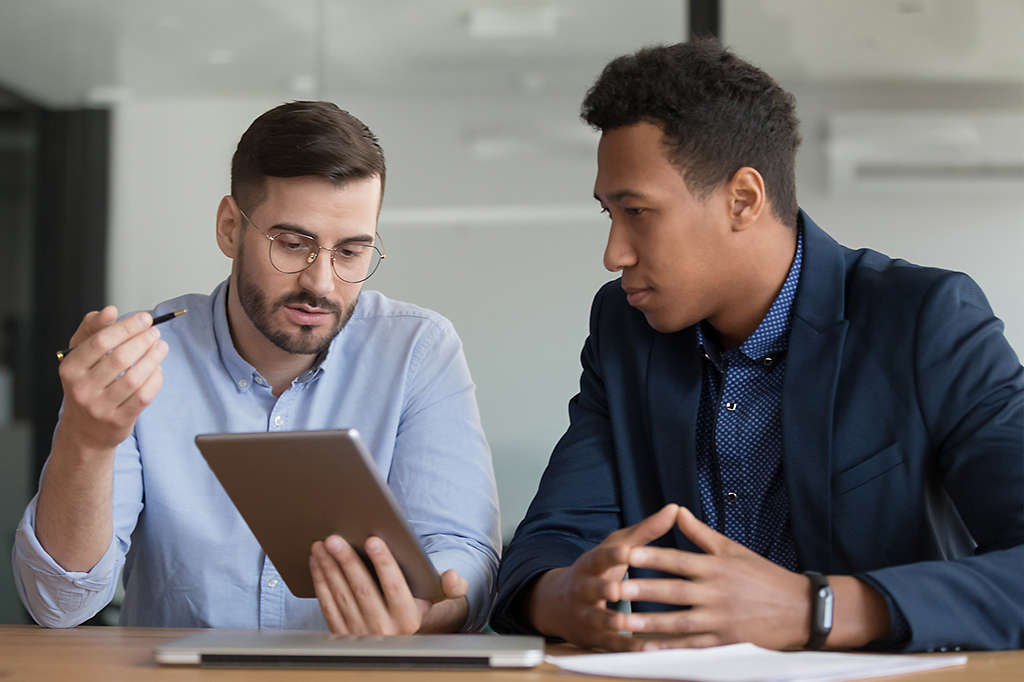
578,502
970,387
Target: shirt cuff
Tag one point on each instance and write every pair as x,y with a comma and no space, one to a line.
480,595
53,596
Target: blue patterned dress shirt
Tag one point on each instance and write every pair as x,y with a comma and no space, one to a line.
739,432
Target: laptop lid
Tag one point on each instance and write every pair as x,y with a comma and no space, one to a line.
320,649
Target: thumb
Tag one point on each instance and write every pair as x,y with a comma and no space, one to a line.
453,585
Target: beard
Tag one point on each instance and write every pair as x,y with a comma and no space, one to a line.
305,341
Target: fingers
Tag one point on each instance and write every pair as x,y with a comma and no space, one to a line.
664,591
684,622
401,613
702,535
336,591
328,606
696,641
671,560
92,322
651,528
614,551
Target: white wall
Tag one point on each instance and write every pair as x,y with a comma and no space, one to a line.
518,291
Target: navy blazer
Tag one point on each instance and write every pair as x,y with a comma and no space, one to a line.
903,432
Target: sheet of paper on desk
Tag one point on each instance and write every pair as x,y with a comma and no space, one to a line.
747,662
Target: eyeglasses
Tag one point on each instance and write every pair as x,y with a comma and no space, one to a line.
291,252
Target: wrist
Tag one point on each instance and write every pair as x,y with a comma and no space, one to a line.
538,602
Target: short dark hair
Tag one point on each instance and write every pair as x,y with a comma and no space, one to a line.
717,112
303,138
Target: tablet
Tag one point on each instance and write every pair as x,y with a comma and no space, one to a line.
296,487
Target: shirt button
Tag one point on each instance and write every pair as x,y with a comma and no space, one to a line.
272,582
731,406
259,380
768,362
731,497
943,649
242,383
278,420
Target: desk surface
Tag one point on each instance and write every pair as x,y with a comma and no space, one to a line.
97,653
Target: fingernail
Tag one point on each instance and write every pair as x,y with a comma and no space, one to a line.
334,543
637,556
628,591
374,546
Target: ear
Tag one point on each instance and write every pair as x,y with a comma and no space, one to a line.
229,227
746,198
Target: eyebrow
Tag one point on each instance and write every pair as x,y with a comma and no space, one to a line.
623,194
298,229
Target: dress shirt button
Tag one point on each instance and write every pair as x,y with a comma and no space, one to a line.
943,649
278,420
956,648
272,582
731,497
731,406
242,383
259,380
707,357
768,362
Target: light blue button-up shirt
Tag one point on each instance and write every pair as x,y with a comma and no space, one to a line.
396,372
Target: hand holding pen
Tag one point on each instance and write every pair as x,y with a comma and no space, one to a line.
112,375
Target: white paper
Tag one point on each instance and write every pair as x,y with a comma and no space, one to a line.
749,663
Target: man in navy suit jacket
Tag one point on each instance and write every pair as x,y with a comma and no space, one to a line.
782,440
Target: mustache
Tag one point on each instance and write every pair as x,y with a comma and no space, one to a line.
301,297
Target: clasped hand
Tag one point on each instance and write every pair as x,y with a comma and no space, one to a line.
353,603
728,594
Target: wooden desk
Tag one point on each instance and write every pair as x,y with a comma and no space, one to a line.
28,654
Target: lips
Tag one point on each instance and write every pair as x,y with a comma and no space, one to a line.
307,316
636,296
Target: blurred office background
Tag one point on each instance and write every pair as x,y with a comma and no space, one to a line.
118,119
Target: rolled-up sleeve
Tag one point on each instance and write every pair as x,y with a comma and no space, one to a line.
57,598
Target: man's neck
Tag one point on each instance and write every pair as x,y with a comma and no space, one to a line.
761,274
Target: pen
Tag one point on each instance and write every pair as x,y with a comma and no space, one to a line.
160,319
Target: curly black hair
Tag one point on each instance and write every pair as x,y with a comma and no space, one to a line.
717,113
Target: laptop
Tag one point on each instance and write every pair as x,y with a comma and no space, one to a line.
320,649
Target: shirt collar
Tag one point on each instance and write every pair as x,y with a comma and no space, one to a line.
772,335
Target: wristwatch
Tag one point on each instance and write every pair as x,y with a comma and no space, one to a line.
821,610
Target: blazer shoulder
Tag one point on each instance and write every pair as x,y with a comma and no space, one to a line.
899,287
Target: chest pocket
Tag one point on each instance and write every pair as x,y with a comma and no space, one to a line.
865,476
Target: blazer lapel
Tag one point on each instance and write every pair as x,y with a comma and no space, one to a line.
817,335
673,385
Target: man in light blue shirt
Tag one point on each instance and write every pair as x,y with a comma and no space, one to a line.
288,342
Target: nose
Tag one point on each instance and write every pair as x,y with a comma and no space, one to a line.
318,278
618,253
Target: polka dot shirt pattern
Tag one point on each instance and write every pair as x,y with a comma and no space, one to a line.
739,432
